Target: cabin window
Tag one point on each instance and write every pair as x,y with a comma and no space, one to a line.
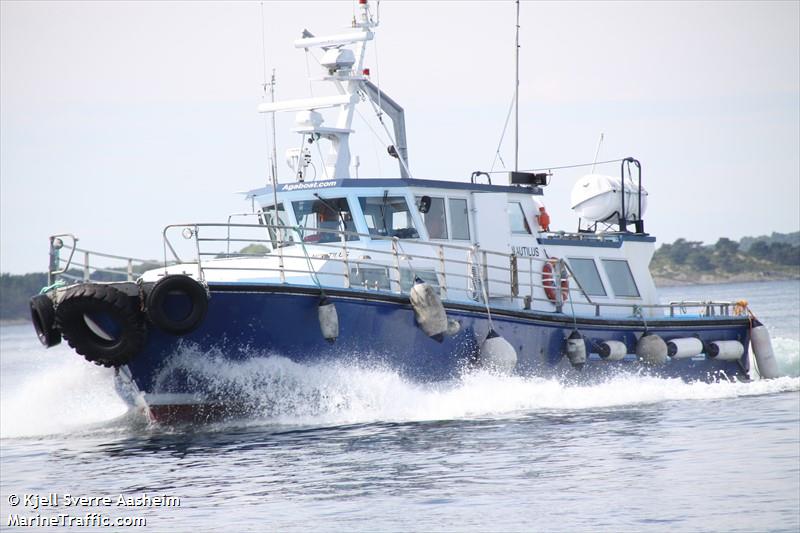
370,277
435,219
459,219
323,219
517,220
278,236
586,272
621,278
388,216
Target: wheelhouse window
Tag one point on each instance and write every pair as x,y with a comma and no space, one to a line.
388,216
435,219
459,219
280,236
322,219
517,220
621,278
588,276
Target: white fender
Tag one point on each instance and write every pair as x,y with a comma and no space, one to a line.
684,347
328,319
651,349
428,310
575,348
725,350
498,354
762,349
612,350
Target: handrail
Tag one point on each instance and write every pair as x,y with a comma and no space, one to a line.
60,266
504,276
515,280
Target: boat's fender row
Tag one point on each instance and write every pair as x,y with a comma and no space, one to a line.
651,349
101,323
173,284
107,323
43,316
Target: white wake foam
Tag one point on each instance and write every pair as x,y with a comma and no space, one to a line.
54,392
284,392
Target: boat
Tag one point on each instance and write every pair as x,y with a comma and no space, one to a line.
429,277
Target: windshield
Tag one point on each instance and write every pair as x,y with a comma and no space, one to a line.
388,216
323,218
278,236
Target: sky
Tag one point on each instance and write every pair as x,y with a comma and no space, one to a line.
118,118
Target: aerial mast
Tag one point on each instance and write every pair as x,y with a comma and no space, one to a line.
516,97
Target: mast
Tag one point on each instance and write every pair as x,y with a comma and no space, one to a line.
516,97
274,136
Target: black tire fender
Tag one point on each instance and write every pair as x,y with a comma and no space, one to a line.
72,318
177,283
43,316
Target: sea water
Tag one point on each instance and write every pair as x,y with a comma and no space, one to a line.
347,448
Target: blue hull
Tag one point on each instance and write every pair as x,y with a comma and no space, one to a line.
257,321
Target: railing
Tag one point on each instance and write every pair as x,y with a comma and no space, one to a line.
459,272
122,268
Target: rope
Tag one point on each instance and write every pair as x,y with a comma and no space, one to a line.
375,133
565,166
408,258
741,307
312,272
57,284
485,294
637,311
379,114
503,134
571,303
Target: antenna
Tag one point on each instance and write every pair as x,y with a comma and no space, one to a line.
273,164
599,144
516,97
274,135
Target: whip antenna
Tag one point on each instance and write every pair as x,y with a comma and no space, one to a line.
516,97
271,84
597,152
273,166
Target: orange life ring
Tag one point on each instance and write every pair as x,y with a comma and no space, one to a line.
549,284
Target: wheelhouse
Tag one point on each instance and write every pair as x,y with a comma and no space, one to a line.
462,238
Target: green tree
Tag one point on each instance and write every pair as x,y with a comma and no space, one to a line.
700,260
725,246
254,249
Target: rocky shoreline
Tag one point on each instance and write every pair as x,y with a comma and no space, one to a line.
679,279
